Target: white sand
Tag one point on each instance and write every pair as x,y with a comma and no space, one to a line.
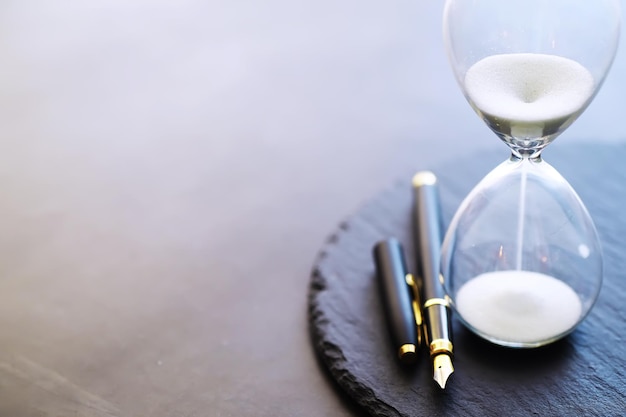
527,88
519,306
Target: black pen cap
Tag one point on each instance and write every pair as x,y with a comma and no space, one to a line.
397,295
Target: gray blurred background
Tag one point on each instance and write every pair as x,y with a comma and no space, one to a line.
169,171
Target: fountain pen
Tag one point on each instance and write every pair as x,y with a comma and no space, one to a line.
436,308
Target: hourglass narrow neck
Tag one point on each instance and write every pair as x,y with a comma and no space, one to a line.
534,156
527,147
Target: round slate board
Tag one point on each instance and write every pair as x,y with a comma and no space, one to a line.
582,374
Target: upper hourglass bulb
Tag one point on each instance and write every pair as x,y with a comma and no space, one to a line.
529,68
521,259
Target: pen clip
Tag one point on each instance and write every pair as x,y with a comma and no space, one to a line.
416,304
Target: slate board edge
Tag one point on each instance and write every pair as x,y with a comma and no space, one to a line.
328,352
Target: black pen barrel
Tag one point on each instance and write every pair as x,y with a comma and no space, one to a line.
396,296
428,234
428,238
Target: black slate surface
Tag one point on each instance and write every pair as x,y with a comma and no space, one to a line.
583,374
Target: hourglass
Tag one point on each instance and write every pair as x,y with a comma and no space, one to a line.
521,259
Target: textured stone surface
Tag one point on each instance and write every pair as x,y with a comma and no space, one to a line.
583,374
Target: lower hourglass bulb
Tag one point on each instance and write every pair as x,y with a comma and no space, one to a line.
521,260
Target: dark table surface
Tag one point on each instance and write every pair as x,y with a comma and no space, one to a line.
169,171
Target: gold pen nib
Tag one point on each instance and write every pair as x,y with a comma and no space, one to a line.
443,368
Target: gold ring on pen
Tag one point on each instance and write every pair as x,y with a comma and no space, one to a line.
436,301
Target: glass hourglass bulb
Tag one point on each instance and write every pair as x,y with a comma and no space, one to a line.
521,260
